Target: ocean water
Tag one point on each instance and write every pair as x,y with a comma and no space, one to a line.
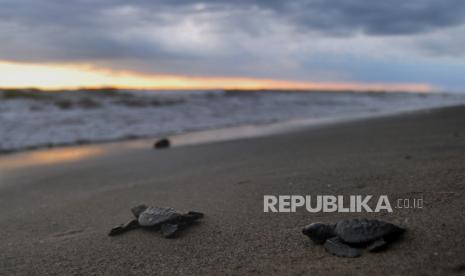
38,119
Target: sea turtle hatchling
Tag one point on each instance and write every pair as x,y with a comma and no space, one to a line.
166,219
348,237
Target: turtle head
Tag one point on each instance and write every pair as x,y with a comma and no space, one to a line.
195,215
136,211
319,232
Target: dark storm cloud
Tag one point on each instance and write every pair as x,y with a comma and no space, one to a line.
379,17
373,17
138,31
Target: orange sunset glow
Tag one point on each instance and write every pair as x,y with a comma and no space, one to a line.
57,76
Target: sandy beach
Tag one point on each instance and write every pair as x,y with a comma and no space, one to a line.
55,215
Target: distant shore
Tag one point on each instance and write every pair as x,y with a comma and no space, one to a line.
55,215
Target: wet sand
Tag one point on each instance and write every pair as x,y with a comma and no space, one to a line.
55,214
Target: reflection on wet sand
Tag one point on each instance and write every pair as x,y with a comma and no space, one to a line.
47,157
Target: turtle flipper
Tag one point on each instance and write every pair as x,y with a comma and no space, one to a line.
120,229
377,245
336,247
169,230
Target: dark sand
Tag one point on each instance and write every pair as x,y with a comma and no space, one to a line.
55,217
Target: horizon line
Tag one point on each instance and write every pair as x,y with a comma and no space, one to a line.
290,89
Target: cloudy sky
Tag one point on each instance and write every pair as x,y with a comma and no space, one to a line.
397,43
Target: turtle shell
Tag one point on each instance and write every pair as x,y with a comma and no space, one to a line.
365,230
155,216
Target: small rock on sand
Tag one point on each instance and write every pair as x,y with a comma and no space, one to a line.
162,144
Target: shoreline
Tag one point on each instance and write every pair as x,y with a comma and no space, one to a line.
228,133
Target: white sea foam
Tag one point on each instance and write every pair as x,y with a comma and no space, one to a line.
83,116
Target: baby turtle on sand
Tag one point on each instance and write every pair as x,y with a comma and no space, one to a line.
348,237
166,219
